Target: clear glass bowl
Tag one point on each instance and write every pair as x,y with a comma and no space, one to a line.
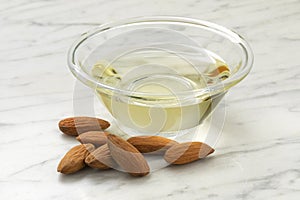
160,74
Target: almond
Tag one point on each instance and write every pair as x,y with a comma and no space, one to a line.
100,158
151,144
97,138
73,161
221,70
187,152
127,156
76,125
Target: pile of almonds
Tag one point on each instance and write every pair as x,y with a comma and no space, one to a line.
103,150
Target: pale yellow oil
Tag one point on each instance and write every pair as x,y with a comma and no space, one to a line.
162,78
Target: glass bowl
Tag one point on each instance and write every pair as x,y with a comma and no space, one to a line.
160,75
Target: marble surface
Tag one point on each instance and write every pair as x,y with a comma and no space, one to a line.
257,156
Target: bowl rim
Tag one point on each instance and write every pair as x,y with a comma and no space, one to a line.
84,77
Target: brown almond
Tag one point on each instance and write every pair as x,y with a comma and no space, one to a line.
219,70
75,125
187,152
100,158
127,156
73,161
151,144
97,138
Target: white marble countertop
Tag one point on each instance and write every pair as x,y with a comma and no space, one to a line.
257,156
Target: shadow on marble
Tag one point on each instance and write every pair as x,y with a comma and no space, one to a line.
97,176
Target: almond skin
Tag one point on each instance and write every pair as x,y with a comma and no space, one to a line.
151,144
127,156
100,158
73,161
218,71
75,125
97,138
187,152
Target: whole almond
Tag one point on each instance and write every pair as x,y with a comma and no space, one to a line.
96,138
187,152
73,161
127,156
151,144
219,71
100,158
75,125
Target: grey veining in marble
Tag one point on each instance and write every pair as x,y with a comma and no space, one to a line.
257,156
